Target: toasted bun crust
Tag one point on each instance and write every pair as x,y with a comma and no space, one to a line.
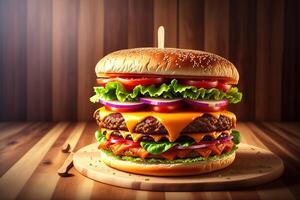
167,169
167,62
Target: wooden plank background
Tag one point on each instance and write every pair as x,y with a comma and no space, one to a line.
48,50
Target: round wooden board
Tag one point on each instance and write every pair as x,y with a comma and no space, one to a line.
252,166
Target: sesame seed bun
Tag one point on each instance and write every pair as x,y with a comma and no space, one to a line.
178,169
167,62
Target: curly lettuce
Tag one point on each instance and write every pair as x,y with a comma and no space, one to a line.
115,91
99,136
236,136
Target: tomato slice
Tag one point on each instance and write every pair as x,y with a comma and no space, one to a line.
166,108
114,109
207,84
223,86
130,83
200,84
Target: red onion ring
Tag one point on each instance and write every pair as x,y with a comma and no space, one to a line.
159,101
208,103
118,104
205,144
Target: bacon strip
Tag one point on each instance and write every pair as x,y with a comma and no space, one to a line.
121,149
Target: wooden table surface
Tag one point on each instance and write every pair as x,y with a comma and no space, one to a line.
30,154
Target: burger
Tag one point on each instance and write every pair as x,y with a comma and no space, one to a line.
164,111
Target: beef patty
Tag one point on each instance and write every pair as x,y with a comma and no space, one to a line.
150,125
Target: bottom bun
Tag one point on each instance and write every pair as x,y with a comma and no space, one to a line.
178,169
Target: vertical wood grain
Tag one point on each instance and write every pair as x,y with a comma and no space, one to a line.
90,50
116,25
269,59
291,62
64,59
166,14
191,24
39,62
242,53
13,60
140,23
217,27
48,50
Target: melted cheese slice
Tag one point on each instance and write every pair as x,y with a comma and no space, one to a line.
173,122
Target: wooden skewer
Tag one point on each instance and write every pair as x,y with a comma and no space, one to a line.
68,164
161,37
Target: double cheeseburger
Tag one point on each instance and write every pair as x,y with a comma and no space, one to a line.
164,111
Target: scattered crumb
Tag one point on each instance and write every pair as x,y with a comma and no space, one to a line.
114,173
46,162
228,178
252,148
147,179
65,148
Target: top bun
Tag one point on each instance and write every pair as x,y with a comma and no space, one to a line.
167,62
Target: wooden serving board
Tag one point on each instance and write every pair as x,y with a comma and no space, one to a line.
252,166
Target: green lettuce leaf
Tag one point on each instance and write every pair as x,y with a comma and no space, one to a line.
116,91
99,136
160,147
236,136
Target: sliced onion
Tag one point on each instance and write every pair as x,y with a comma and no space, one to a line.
227,139
118,104
208,103
205,144
197,146
160,102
